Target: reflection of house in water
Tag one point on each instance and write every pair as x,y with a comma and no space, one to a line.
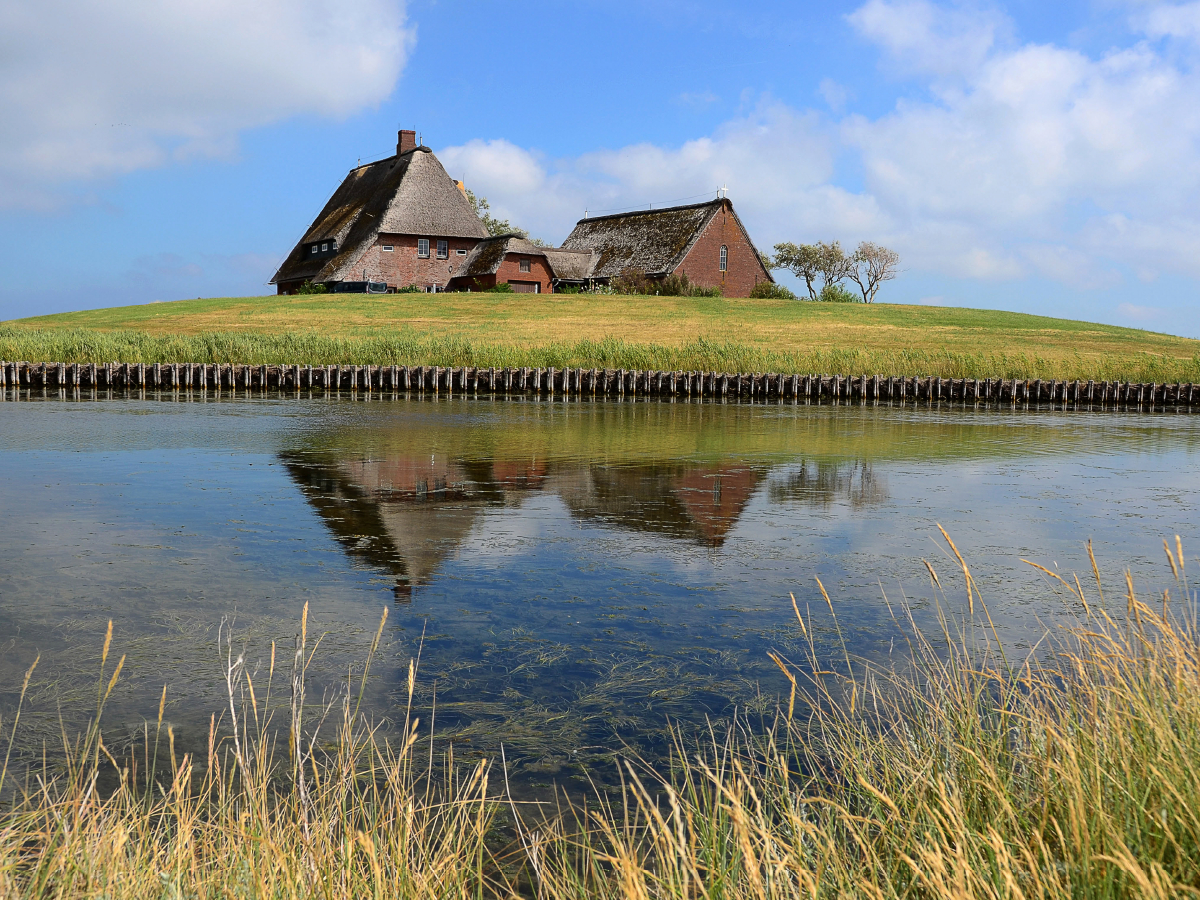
823,482
694,502
406,514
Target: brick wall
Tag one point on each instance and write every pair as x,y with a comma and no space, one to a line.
510,270
401,266
539,271
744,268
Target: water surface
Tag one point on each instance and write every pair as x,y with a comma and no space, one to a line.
573,574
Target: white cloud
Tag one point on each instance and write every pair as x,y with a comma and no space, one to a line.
920,37
1022,160
834,94
91,88
777,163
1058,163
1170,20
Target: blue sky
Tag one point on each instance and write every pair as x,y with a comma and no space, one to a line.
1042,157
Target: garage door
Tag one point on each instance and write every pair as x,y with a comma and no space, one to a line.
526,287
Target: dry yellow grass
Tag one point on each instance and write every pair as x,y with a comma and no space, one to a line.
964,775
637,331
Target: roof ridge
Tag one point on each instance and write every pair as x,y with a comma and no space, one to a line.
649,212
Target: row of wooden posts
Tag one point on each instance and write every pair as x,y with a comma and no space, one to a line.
585,382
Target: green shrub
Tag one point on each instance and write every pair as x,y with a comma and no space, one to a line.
768,290
309,288
502,288
632,280
677,285
568,289
835,293
410,289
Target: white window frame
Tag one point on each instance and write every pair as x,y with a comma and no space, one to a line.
325,247
724,258
443,249
423,248
316,248
388,248
460,252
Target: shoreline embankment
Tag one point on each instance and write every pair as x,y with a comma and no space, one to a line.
584,383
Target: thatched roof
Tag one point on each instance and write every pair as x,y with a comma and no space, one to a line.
487,255
571,265
406,194
655,241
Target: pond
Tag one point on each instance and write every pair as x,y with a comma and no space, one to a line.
573,575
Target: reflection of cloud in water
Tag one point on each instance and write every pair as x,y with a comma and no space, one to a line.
407,514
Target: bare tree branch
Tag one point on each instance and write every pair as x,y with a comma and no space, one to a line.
871,265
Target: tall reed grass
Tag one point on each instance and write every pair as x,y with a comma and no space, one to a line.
404,347
966,773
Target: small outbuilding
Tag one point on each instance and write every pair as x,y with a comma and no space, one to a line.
505,259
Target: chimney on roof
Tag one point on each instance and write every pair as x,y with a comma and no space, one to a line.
406,141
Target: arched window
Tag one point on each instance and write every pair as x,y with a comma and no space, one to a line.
724,257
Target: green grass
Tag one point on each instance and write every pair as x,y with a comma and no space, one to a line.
606,331
961,773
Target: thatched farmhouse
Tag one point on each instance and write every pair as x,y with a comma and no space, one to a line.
705,241
403,221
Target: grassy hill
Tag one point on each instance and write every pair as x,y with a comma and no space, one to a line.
613,331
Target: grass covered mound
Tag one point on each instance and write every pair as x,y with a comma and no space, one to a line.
959,774
668,333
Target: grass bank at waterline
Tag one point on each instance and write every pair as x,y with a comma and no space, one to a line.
667,333
962,773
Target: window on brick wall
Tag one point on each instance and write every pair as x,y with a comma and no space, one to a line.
443,249
724,257
388,248
461,252
423,248
525,267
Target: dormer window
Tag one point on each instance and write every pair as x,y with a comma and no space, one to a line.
314,248
423,248
724,258
325,247
525,267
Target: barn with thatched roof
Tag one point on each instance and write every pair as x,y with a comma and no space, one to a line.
705,241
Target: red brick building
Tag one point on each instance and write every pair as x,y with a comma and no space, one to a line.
397,222
705,241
